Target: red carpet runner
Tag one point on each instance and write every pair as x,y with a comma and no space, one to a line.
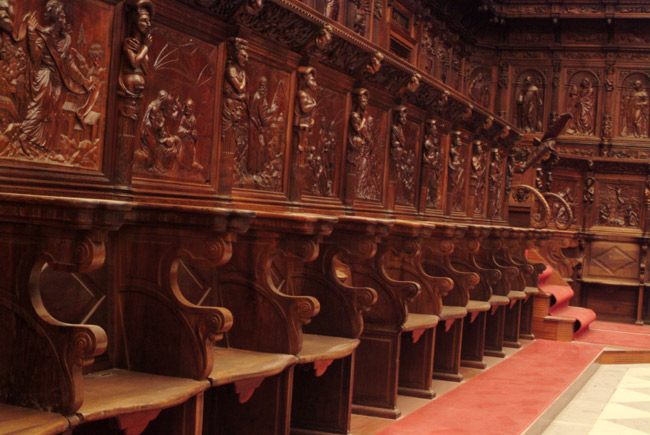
505,399
616,334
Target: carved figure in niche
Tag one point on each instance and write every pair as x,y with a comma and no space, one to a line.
397,134
494,188
582,103
135,51
261,113
235,95
188,135
530,107
431,161
332,9
55,79
479,90
456,170
635,111
159,148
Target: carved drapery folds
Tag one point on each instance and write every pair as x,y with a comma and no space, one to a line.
479,168
402,158
456,172
635,110
529,98
431,163
582,97
479,86
53,85
303,122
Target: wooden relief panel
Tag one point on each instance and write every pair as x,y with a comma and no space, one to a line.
323,143
618,205
613,260
406,164
634,105
582,99
54,58
571,192
529,101
254,114
371,156
479,86
176,129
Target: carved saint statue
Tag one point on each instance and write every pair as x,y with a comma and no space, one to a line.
261,113
397,141
135,52
305,104
582,103
529,106
635,112
456,171
431,161
235,95
494,188
479,90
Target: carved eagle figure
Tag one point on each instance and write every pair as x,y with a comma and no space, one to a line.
547,143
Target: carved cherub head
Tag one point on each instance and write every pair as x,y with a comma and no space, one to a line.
7,15
414,82
308,77
360,96
238,51
324,37
430,127
399,115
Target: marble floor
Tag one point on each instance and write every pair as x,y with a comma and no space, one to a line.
615,401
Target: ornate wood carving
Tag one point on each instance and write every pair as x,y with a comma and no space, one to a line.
432,168
635,112
582,97
529,97
478,178
403,155
479,86
456,172
618,205
54,61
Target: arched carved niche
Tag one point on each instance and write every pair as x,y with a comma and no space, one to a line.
634,111
581,102
529,93
479,86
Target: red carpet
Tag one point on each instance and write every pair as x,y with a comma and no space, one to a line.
505,399
616,334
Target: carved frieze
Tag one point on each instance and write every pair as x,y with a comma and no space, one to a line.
54,61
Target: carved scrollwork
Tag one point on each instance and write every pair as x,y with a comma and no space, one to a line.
541,212
561,211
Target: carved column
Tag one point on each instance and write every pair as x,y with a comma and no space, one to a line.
135,66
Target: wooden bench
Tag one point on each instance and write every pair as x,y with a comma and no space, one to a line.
15,420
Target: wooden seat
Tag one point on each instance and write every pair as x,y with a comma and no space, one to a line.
234,365
317,348
497,300
133,398
18,420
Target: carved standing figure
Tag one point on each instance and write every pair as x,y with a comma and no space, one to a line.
530,106
456,171
479,90
135,52
303,121
635,112
188,135
261,113
359,139
235,93
496,172
332,9
582,103
431,161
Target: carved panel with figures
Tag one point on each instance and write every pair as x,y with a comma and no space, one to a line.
618,205
176,128
529,101
581,101
54,58
634,105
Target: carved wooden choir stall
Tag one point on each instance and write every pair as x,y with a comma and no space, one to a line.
250,216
